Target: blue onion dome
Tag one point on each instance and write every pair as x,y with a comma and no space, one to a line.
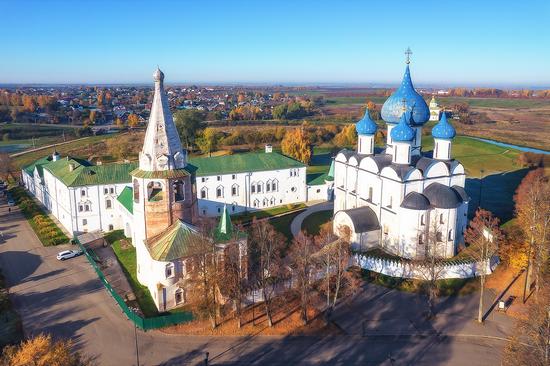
403,132
392,108
366,126
443,129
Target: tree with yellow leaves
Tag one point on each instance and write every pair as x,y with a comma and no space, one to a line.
133,120
296,144
42,350
119,123
346,137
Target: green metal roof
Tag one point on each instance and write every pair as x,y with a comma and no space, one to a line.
126,199
331,170
171,244
29,169
224,230
85,174
162,174
315,179
241,163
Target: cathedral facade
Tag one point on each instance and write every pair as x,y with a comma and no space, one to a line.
400,198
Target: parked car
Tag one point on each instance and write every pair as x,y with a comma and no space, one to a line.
67,254
11,202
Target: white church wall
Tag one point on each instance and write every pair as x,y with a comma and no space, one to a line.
291,188
318,192
406,269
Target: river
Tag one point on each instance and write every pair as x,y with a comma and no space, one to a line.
517,147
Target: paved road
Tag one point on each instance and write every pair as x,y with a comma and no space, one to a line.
296,224
67,300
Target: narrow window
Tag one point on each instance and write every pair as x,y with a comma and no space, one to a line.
112,190
219,192
420,239
83,193
253,188
219,178
439,236
84,222
107,203
87,207
80,208
204,192
111,227
441,218
450,235
235,190
169,270
234,176
178,296
422,220
105,191
259,188
274,186
203,180
370,194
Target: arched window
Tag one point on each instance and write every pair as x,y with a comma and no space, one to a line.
256,202
420,239
275,185
235,190
219,192
268,186
439,236
421,219
178,187
450,235
370,194
259,187
253,187
204,193
136,190
178,296
155,192
441,218
272,201
169,270
265,202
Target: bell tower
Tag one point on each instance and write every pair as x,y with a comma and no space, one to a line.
162,185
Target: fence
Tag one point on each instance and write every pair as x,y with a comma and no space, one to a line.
141,322
408,269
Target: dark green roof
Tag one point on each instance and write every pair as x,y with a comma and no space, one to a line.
126,199
241,163
85,174
29,169
315,179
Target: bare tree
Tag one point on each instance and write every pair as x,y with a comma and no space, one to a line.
204,274
483,236
267,244
531,342
303,263
234,282
430,267
325,257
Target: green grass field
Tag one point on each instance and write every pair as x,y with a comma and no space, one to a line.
312,223
128,262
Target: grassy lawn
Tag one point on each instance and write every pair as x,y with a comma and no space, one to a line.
249,216
447,287
45,228
126,256
282,224
90,146
312,223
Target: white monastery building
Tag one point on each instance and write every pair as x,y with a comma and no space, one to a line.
399,197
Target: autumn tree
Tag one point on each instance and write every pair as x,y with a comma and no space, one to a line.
532,200
325,257
483,236
303,265
29,103
42,350
297,145
93,116
266,246
235,284
530,344
204,274
7,168
133,120
188,123
346,137
208,141
119,123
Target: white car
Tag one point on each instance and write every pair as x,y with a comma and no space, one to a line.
66,254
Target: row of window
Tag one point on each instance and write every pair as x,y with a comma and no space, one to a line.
255,187
87,207
106,190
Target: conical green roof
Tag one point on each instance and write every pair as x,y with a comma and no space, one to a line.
224,230
330,175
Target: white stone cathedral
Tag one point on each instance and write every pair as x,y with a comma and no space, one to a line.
398,198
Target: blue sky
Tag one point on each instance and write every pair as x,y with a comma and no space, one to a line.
453,42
